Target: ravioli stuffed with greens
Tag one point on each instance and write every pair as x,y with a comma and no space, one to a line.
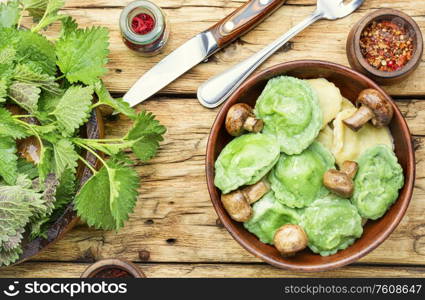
291,112
377,183
245,160
297,179
331,224
269,215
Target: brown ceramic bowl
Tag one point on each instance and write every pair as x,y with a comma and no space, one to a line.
351,83
357,61
93,129
112,263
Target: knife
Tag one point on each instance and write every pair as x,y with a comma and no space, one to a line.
200,47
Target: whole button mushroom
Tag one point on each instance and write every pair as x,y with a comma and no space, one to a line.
374,106
238,203
240,118
290,239
341,182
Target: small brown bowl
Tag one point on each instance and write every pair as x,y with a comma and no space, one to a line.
351,83
112,263
358,62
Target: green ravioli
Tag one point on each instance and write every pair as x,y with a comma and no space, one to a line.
377,183
297,180
244,161
331,224
269,215
291,112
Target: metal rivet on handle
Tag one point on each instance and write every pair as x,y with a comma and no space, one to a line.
229,26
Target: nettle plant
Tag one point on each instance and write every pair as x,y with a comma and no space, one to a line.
47,92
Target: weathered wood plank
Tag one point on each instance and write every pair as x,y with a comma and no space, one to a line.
190,17
174,218
74,270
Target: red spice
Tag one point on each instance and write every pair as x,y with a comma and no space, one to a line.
113,273
386,46
142,24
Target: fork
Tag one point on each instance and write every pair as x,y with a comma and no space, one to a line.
217,89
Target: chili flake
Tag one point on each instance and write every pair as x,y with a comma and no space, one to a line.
142,23
386,46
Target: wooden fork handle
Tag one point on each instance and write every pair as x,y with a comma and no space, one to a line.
243,20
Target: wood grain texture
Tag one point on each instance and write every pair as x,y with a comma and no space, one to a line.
324,40
73,270
174,219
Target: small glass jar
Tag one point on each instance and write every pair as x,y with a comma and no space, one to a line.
148,42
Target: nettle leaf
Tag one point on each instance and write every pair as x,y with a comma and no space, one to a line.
68,25
35,8
8,257
108,197
37,49
13,241
4,86
8,160
18,203
82,54
117,104
65,156
8,126
9,13
25,95
45,165
73,109
32,75
147,132
50,15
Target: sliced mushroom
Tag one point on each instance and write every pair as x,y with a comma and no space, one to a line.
374,106
350,168
240,118
255,192
237,207
238,203
290,239
341,182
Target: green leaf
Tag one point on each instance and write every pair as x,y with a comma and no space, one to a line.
66,189
37,49
25,95
145,124
8,160
68,25
9,127
82,54
147,132
51,8
26,168
35,8
117,104
9,13
65,156
32,75
105,147
18,203
45,165
73,109
108,197
4,86
8,257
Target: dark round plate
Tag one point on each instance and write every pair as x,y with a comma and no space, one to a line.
351,83
93,129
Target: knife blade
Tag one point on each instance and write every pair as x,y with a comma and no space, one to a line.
200,47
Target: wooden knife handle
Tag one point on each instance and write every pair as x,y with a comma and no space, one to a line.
243,20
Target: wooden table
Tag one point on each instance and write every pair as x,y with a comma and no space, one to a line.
174,220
